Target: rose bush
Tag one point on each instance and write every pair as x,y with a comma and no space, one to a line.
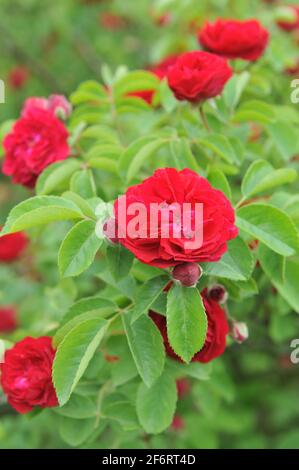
108,323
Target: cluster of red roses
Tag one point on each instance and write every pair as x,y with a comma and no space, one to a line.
39,138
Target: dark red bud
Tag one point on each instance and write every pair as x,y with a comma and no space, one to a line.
218,293
187,274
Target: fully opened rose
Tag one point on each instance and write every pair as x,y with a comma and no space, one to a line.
197,76
218,329
37,139
168,187
235,39
26,374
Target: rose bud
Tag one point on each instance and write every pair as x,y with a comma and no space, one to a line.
218,293
187,274
60,106
288,18
8,319
26,374
239,331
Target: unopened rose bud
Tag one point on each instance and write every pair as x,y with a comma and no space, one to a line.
218,293
239,331
187,274
60,106
183,387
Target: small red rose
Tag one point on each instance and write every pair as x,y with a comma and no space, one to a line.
182,191
12,246
235,39
37,139
218,329
198,76
26,374
18,77
8,319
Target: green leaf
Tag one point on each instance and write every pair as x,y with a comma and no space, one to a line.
261,176
219,181
255,111
119,260
167,99
78,407
81,203
221,146
73,434
74,354
137,80
271,226
182,155
236,264
186,321
272,263
147,348
156,405
78,249
288,289
82,183
285,138
40,210
103,163
234,89
147,294
56,175
129,153
142,155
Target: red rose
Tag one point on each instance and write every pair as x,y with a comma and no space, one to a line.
290,25
235,39
198,76
12,246
218,329
26,374
18,77
160,70
37,139
8,319
169,187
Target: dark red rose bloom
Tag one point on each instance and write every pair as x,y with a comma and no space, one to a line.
235,39
26,374
218,329
168,188
160,71
198,76
8,319
290,25
18,77
37,139
12,246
